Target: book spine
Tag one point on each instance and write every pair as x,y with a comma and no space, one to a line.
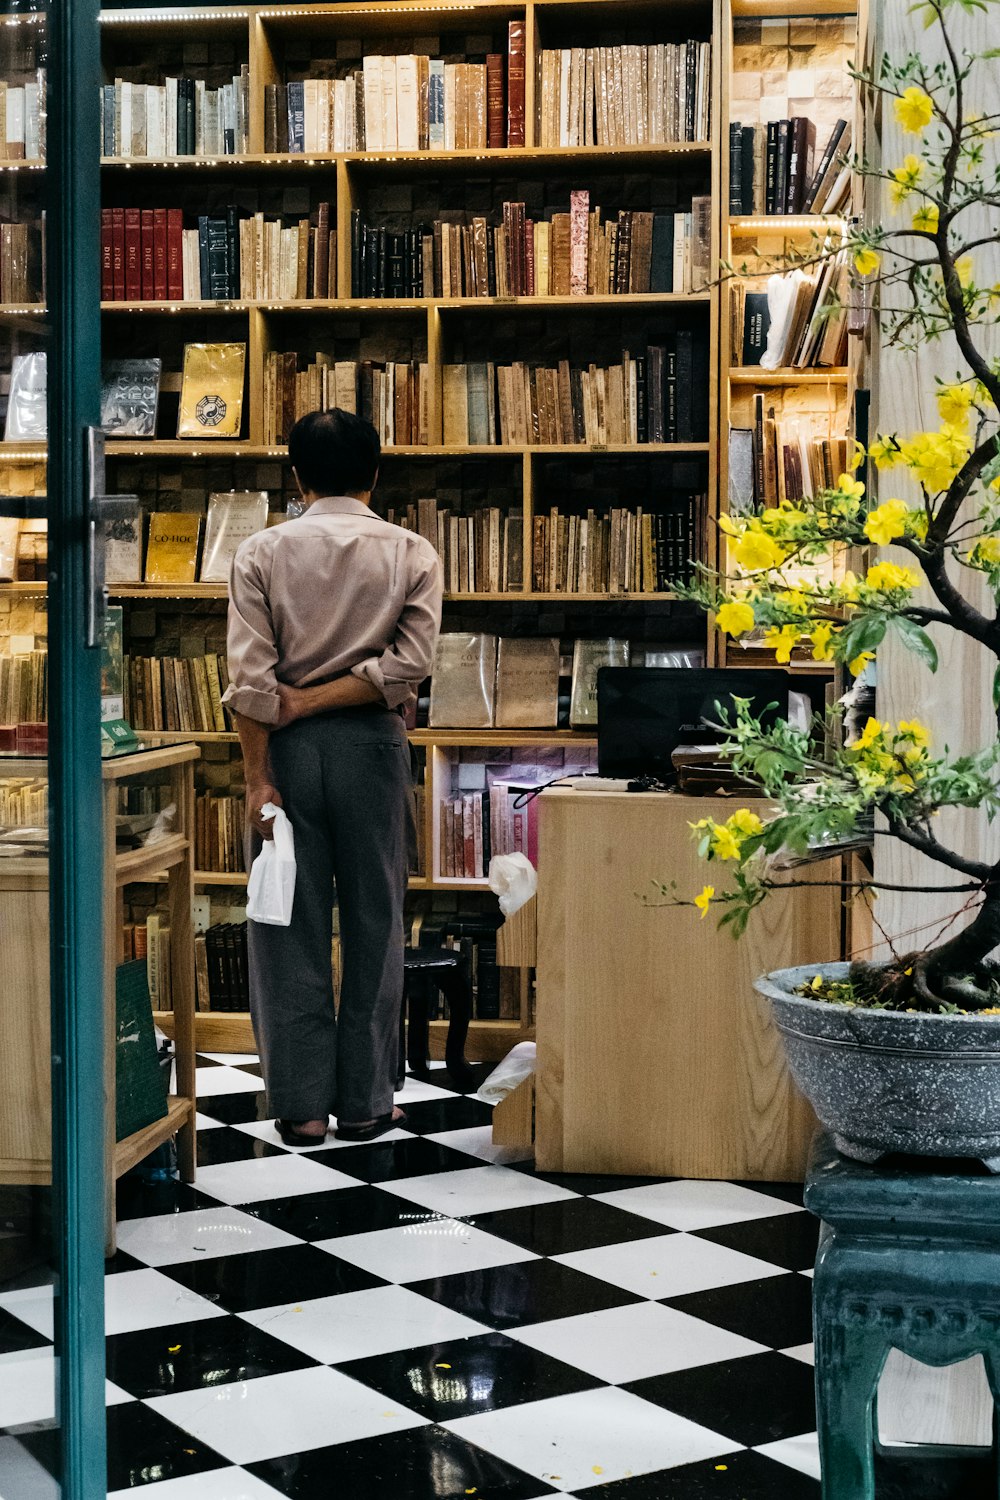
515,83
735,167
175,254
147,254
770,197
496,131
107,256
133,254
781,155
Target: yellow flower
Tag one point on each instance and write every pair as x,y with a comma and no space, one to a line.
914,110
866,260
857,458
868,736
987,551
889,575
848,590
917,733
782,639
725,844
704,901
925,218
726,525
857,666
756,551
853,488
794,600
883,453
906,178
886,523
964,268
745,823
955,401
734,618
820,637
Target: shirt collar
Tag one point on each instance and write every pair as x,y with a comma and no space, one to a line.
329,505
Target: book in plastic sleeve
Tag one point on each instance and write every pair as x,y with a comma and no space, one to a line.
27,416
130,396
212,391
527,683
588,659
172,554
463,682
232,517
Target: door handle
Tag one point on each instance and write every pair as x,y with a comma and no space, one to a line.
101,507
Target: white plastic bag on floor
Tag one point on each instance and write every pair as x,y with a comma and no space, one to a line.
271,887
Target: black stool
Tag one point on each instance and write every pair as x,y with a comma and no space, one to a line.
449,971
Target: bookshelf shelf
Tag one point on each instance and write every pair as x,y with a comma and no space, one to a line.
784,224
754,375
218,591
534,157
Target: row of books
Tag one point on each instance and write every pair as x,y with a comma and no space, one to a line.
495,991
24,802
775,460
148,255
405,102
800,322
172,542
177,693
218,840
655,397
393,397
485,682
624,96
23,549
22,119
159,964
773,168
564,254
22,263
179,117
220,967
625,551
24,688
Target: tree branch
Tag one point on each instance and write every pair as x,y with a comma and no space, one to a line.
925,843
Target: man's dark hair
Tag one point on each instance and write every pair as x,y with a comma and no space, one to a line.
334,452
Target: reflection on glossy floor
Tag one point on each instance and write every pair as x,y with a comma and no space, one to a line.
423,1318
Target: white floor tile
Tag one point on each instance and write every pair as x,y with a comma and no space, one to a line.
33,1306
476,1191
263,1130
630,1343
168,1239
282,1176
668,1265
804,1352
147,1299
355,1324
594,1437
800,1453
281,1414
23,1476
435,1247
696,1205
215,1484
414,1091
210,1082
28,1388
478,1141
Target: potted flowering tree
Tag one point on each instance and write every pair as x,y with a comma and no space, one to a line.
901,1055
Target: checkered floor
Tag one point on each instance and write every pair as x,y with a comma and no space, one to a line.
427,1317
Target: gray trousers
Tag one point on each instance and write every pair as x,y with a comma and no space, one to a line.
345,782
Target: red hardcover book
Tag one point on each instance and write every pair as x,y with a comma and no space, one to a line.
160,291
496,125
175,254
107,257
147,254
118,253
133,254
515,83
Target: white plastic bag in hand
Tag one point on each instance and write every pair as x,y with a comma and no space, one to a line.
271,887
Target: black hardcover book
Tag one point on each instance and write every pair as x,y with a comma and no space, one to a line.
488,977
735,167
699,388
370,253
655,370
670,397
192,135
487,834
282,118
685,392
782,154
661,260
416,270
747,174
802,137
756,323
233,250
771,167
491,261
397,264
203,257
218,259
641,419
690,89
382,262
357,230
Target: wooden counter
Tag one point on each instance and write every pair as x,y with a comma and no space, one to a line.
655,1056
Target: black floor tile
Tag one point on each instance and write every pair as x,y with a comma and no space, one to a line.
255,1068
754,1400
388,1161
970,1474
587,1183
734,1476
431,1115
321,1216
533,1292
787,1240
143,1448
466,1376
202,1061
425,1463
120,1262
235,1109
138,1199
295,1273
777,1310
573,1224
218,1146
194,1356
16,1336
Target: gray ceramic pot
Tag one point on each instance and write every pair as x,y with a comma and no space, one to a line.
886,1081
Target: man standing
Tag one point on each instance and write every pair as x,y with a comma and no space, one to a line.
332,623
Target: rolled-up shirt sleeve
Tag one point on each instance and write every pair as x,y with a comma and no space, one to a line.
402,667
251,646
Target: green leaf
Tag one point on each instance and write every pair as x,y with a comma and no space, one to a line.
865,633
916,639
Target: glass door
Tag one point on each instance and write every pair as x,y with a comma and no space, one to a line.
54,1205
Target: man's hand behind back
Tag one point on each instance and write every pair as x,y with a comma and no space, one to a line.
258,795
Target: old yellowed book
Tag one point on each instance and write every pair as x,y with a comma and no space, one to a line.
172,553
527,683
212,391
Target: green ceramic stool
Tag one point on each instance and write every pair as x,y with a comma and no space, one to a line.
909,1258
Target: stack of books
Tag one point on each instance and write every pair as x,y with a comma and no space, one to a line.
219,832
22,119
288,263
624,96
22,264
393,397
481,553
177,693
778,459
24,688
774,168
574,253
621,551
24,802
659,396
811,318
495,991
220,966
172,552
180,117
406,102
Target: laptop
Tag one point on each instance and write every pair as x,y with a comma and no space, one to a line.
645,713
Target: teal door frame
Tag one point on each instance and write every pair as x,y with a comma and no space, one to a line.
78,1125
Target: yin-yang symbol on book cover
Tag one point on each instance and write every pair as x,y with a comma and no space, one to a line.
211,411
